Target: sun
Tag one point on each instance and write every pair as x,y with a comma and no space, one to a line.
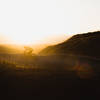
24,38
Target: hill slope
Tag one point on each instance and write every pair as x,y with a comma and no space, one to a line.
87,44
10,49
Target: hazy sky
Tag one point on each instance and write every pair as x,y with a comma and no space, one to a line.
36,21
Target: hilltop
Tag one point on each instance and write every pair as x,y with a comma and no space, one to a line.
86,44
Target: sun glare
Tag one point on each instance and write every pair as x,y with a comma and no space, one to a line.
25,39
32,21
29,39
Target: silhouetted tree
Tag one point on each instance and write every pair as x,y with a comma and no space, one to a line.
28,51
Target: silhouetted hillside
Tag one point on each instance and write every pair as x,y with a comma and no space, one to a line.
87,44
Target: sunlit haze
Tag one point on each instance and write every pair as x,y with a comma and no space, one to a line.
46,21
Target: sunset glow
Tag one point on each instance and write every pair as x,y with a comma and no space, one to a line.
33,21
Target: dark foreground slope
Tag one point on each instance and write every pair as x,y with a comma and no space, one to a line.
69,79
87,44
